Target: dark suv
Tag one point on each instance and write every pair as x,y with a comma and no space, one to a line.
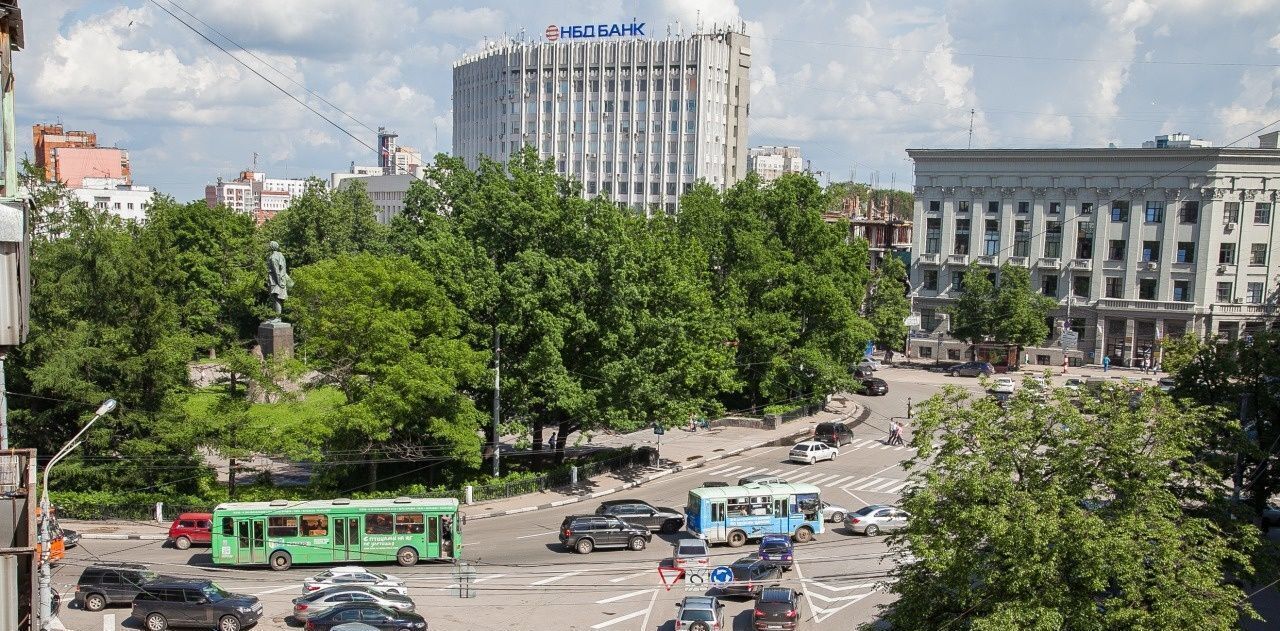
834,434
585,533
105,584
971,369
194,603
642,513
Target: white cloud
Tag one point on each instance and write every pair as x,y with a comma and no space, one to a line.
469,22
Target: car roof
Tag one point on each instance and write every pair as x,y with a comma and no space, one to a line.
810,442
616,502
195,516
691,542
775,536
777,594
177,582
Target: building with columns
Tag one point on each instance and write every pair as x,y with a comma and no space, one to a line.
1135,244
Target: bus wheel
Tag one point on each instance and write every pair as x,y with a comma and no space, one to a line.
804,535
407,556
737,538
281,561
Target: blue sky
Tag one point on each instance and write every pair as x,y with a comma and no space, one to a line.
852,83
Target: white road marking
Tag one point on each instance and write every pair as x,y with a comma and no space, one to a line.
826,612
276,590
489,578
622,597
863,443
749,471
623,578
825,479
617,619
851,494
899,447
836,599
837,483
109,622
806,477
776,471
879,488
557,577
857,482
895,489
722,470
892,466
843,588
538,534
875,483
644,624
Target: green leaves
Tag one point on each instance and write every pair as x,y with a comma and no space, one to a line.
887,306
1011,313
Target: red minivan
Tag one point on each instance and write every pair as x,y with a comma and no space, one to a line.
191,528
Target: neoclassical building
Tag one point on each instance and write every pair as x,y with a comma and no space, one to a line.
1135,244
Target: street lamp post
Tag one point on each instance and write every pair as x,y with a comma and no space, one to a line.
46,577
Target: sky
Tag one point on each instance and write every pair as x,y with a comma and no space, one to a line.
853,84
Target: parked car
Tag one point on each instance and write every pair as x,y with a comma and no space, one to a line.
380,618
877,518
750,575
874,386
700,613
315,603
641,513
103,584
70,538
691,553
833,513
811,451
776,608
194,603
585,533
869,364
191,528
1003,385
972,369
776,549
760,478
833,433
348,575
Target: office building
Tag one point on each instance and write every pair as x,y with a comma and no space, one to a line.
771,162
1138,244
637,121
127,201
256,194
387,192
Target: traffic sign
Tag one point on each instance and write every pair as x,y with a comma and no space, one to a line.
1069,339
659,429
695,580
721,576
669,575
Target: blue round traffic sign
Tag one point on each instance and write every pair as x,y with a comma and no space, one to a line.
721,576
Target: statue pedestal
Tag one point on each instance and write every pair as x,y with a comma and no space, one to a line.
276,339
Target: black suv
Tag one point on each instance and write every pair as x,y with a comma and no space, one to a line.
585,533
105,584
642,513
194,603
834,434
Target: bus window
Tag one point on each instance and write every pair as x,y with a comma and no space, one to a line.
761,506
808,505
315,525
717,512
353,532
409,523
433,536
339,533
738,507
446,536
228,527
244,535
378,524
282,526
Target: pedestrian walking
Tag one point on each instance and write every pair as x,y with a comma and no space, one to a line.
894,433
551,442
1106,363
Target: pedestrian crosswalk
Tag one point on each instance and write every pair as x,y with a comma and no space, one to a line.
806,475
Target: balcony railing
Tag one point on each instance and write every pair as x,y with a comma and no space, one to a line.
1146,305
1250,310
957,259
1046,262
1020,261
929,259
1082,264
990,260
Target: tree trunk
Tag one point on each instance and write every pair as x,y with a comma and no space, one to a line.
537,433
373,473
562,434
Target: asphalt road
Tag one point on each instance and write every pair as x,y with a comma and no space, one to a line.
525,580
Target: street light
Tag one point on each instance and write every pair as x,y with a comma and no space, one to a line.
46,578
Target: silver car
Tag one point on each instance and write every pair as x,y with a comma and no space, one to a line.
832,513
875,519
348,575
316,603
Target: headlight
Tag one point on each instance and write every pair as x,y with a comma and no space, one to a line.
419,625
244,609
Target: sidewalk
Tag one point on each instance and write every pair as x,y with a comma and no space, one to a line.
680,450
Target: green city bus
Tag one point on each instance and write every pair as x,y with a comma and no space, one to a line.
281,533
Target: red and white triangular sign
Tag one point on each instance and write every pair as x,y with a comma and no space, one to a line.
670,575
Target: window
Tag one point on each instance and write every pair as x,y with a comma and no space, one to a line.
1155,212
1024,208
1146,288
1120,210
1190,212
1182,290
1049,286
1080,286
992,238
931,279
964,207
1261,213
957,281
961,245
1055,208
1227,254
315,525
1231,212
409,524
1258,254
1115,287
935,206
1151,251
282,526
1186,252
228,527
1084,240
1253,293
1116,249
933,235
1086,208
928,319
993,207
1225,293
1053,239
1021,238
926,352
378,523
952,353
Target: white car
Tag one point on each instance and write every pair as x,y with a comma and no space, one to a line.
833,513
1002,385
869,365
354,575
811,451
318,602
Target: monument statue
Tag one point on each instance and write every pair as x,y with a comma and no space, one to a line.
278,281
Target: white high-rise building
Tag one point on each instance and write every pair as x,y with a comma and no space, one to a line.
1135,244
635,120
771,162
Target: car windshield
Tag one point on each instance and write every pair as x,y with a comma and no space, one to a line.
703,615
691,550
215,593
865,510
775,596
773,546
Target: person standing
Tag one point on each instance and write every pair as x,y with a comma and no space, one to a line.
551,442
1106,363
894,429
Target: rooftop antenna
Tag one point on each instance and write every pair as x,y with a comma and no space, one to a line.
971,128
697,24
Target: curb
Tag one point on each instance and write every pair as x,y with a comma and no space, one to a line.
119,537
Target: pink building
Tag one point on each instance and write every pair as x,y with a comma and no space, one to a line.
71,165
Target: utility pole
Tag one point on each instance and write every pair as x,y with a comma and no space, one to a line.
970,128
4,407
497,398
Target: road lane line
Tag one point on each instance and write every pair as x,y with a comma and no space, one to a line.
805,477
725,470
863,443
837,483
825,479
894,490
872,483
622,597
879,488
749,471
851,494
892,466
109,622
857,482
644,624
556,578
276,590
610,623
489,578
538,534
776,471
623,578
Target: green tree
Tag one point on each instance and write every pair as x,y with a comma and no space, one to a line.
887,306
1044,516
1177,353
322,224
1021,314
973,317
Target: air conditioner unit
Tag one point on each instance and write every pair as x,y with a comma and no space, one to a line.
1222,269
1237,300
1229,227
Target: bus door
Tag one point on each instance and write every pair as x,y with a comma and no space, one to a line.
346,538
781,514
251,544
714,528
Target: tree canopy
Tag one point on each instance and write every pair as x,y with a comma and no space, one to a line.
887,306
